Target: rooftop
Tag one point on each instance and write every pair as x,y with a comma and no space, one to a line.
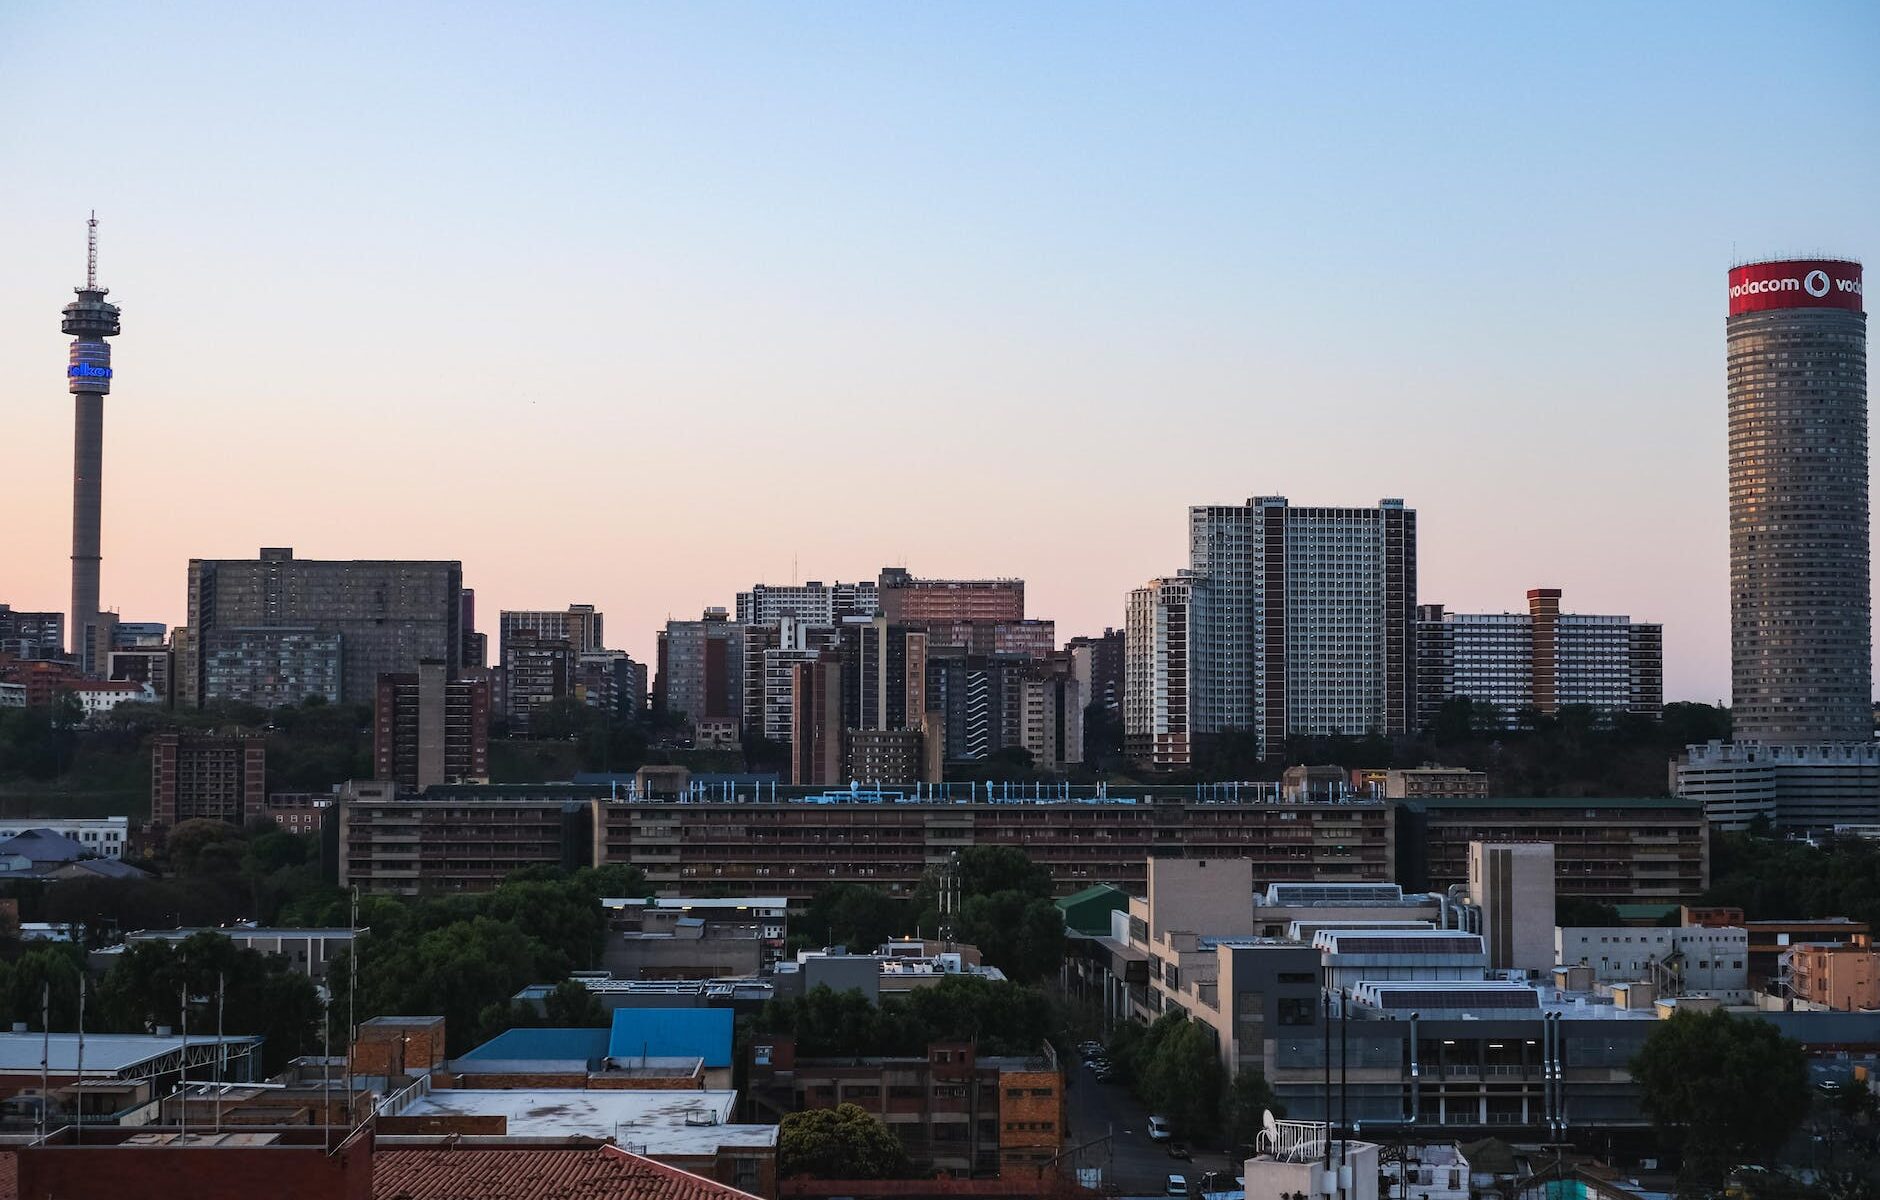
498,1173
539,1045
692,1032
105,1053
651,1121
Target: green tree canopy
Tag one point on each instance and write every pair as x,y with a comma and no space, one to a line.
844,1142
1723,1089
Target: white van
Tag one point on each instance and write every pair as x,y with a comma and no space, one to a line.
1158,1129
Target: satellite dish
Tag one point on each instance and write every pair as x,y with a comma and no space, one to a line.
1266,1119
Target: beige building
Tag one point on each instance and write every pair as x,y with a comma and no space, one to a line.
1843,976
1513,885
1414,783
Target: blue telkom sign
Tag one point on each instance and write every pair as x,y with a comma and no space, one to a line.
87,371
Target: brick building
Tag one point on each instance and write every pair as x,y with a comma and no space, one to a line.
192,775
388,843
953,1109
429,728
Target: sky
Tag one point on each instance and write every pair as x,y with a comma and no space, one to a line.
636,305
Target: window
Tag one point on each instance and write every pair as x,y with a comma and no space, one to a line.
1296,1010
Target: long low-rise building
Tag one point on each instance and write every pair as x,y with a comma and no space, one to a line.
792,842
1609,850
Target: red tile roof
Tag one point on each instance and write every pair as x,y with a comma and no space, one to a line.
498,1173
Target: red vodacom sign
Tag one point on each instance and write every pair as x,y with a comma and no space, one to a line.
1799,283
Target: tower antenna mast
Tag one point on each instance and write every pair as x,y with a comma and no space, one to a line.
91,252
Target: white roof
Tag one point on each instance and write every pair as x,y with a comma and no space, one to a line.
105,1053
731,902
664,1122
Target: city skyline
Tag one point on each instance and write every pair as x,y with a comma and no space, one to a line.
1134,291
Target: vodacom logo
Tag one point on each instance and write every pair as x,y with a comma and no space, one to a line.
1815,283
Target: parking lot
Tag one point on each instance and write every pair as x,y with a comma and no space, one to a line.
1130,1161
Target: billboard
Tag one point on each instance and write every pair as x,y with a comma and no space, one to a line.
1796,283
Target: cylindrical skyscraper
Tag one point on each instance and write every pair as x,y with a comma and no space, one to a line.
1801,642
90,319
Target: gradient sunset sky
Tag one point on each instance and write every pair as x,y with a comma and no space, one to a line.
637,305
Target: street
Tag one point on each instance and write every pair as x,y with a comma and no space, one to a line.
1131,1163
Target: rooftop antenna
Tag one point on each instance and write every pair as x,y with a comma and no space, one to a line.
91,252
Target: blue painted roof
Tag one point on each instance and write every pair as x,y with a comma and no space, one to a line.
557,1045
672,1033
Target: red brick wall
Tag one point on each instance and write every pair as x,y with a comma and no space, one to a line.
200,1173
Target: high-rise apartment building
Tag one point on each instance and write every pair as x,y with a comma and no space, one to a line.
31,635
1157,685
1098,663
219,776
609,680
1303,619
579,626
1800,592
476,646
700,670
1539,661
815,602
269,667
429,729
388,614
816,742
537,671
905,600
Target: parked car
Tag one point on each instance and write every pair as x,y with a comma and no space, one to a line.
1177,1186
1158,1129
1180,1150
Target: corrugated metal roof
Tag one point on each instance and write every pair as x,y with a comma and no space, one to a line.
542,1045
701,1032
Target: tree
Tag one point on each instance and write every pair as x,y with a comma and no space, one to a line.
1244,1103
205,846
1721,1088
1179,1075
844,1142
1578,912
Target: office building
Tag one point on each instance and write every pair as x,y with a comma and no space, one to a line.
1682,961
31,635
1029,638
700,668
1158,687
1614,851
1800,592
1417,783
1302,621
1098,663
428,728
905,600
580,626
1540,661
537,671
476,646
813,603
1805,788
213,775
37,682
388,615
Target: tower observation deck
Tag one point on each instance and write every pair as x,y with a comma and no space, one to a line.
90,319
